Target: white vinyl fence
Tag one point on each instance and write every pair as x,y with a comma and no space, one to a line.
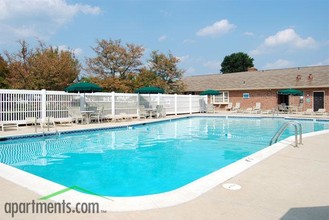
16,105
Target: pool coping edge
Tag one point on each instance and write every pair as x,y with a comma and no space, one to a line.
181,195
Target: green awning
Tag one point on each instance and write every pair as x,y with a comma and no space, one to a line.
83,87
149,90
210,92
294,92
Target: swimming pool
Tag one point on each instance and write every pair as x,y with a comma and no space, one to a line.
144,159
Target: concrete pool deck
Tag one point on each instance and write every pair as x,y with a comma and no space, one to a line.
291,184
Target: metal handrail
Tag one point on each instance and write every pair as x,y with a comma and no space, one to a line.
48,126
298,128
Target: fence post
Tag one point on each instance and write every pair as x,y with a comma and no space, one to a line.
43,105
82,101
137,107
175,104
113,103
158,99
190,103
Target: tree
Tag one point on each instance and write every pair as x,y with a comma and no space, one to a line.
3,73
148,78
43,67
115,60
166,68
110,84
236,62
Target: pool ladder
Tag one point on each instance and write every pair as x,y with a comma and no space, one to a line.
49,121
298,129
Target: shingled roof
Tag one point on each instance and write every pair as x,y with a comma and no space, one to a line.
298,78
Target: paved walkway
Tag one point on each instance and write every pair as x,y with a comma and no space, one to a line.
290,185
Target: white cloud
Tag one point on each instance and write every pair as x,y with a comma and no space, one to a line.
183,58
289,37
215,65
190,71
37,18
286,39
256,52
279,64
162,38
321,63
218,28
188,41
249,33
76,51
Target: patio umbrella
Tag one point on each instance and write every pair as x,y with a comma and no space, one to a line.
84,87
210,92
294,92
149,90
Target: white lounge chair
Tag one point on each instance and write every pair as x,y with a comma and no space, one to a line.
142,112
308,111
248,110
76,115
229,106
257,108
97,115
320,111
282,108
202,106
67,121
210,109
160,111
114,118
293,109
8,124
267,111
236,108
47,123
31,121
126,116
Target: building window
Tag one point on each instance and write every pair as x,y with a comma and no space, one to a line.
222,98
246,95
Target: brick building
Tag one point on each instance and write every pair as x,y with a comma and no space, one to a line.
263,86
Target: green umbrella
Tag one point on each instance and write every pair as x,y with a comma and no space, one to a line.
84,87
210,92
294,92
149,90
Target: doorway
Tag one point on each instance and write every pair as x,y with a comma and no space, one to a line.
318,100
283,99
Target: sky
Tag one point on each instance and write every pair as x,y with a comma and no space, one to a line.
275,33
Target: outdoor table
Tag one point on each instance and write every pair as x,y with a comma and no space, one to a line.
87,114
150,111
290,108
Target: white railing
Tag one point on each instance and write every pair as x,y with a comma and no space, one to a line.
16,105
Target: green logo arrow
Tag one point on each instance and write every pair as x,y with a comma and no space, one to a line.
71,188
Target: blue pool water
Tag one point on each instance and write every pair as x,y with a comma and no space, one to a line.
145,159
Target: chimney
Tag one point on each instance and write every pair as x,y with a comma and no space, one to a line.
252,69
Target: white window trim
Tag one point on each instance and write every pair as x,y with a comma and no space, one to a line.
222,102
